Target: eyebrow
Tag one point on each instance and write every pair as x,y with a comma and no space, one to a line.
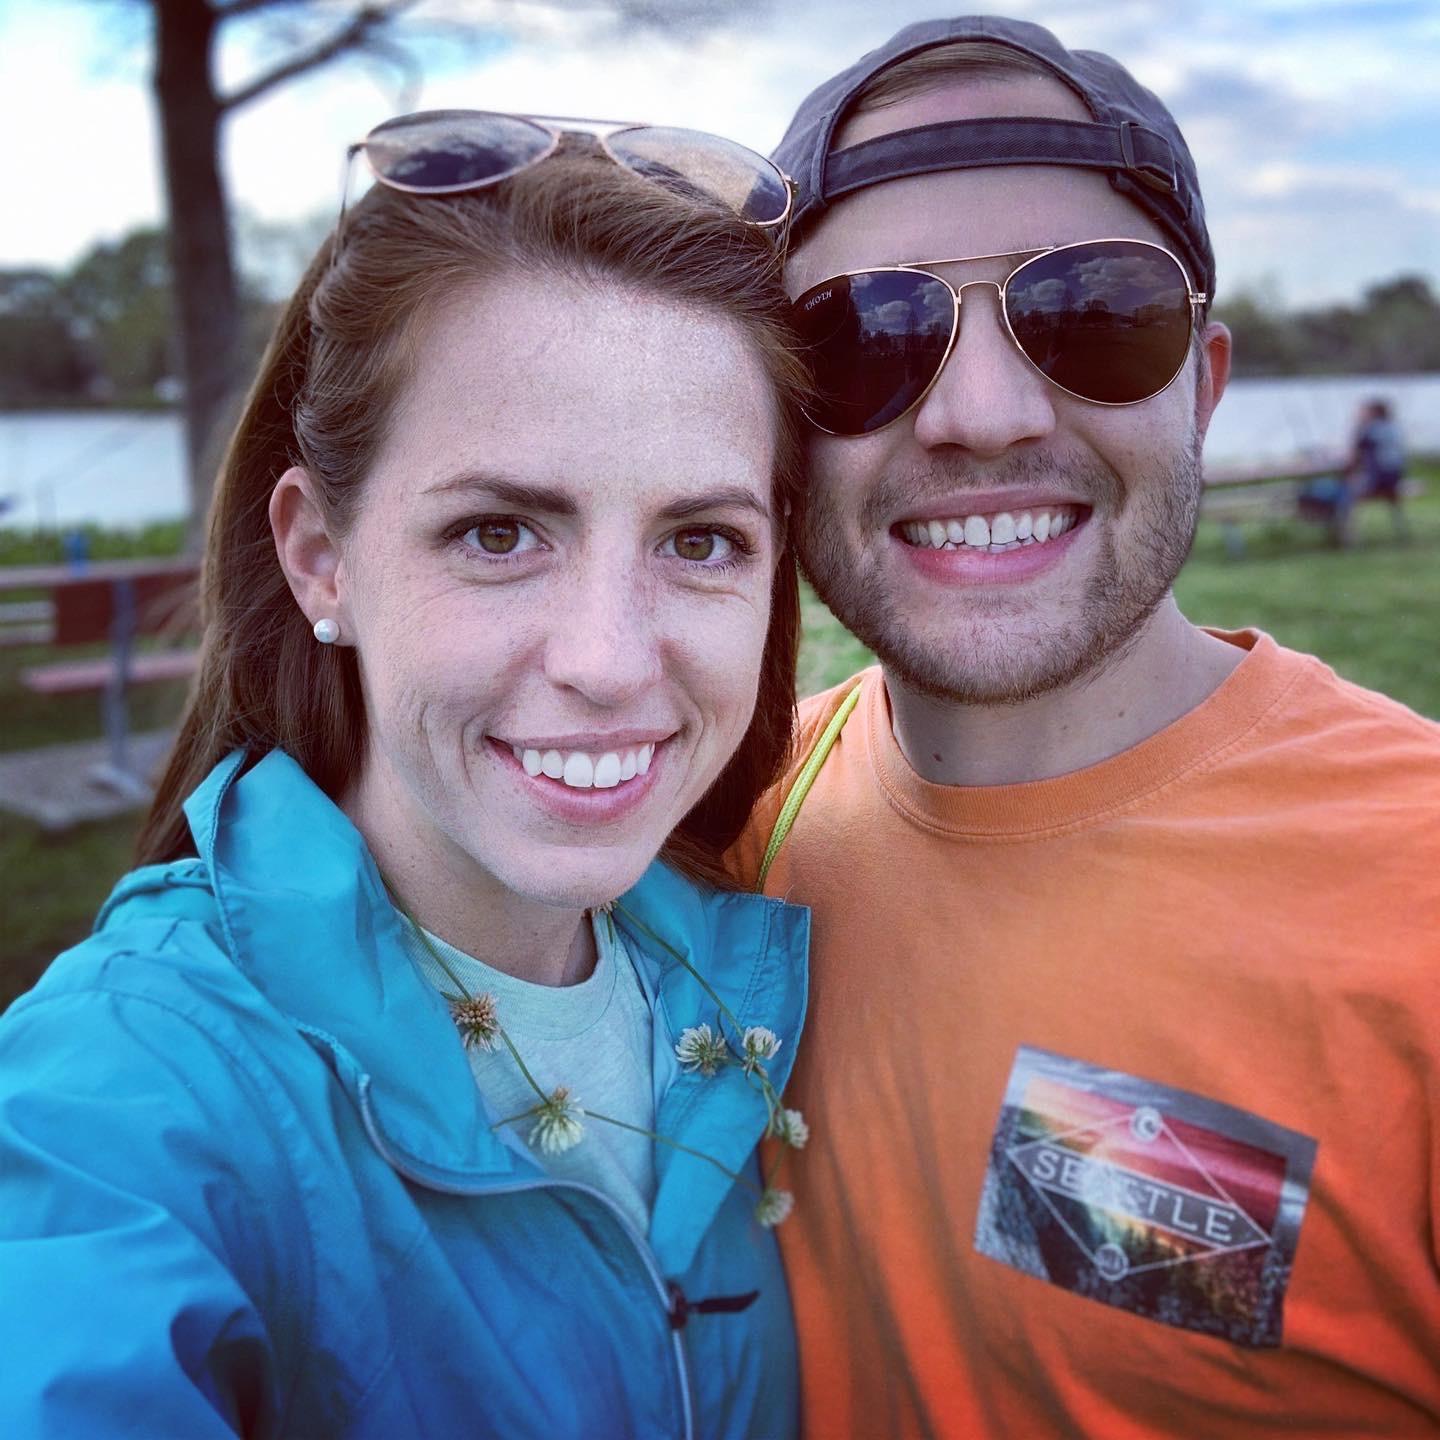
551,500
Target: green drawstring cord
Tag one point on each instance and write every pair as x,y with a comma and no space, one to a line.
806,778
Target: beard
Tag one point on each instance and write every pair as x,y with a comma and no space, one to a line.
1005,653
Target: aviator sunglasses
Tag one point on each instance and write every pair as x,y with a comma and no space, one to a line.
1108,321
447,152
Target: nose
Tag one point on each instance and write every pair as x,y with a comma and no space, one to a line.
603,643
988,397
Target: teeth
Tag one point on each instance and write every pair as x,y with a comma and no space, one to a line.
582,770
579,773
997,533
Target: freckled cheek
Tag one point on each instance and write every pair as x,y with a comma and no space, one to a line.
723,664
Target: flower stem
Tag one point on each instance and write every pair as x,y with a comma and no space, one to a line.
524,1068
674,1145
705,985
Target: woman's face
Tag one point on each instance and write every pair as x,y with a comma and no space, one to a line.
558,583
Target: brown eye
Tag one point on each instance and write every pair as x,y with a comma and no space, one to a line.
498,537
695,544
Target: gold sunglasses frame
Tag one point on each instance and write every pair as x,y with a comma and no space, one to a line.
557,127
1197,298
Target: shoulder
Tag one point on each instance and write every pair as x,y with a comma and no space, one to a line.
149,1022
817,714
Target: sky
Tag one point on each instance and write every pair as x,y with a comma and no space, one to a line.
1315,123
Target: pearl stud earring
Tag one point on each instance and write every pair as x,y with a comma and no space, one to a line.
327,631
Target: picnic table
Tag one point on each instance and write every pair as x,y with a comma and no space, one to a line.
1271,490
115,602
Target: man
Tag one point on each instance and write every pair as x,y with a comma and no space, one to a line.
1124,1041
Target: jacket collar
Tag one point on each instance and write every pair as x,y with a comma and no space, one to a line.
307,919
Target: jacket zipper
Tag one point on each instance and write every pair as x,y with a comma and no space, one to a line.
642,1249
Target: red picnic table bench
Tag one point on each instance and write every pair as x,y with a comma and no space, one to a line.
114,601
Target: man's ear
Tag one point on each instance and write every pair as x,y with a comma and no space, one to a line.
1215,340
308,555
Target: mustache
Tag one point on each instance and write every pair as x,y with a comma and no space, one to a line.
943,477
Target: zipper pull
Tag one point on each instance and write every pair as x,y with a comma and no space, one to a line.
682,1309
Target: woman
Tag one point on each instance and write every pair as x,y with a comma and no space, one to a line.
341,1122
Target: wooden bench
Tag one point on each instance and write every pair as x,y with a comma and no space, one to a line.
116,602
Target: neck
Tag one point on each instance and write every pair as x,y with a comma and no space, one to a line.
440,887
1166,671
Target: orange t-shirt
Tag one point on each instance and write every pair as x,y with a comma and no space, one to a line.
1124,1086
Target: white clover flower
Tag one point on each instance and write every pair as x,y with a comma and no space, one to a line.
477,1020
557,1123
789,1126
700,1048
761,1044
774,1207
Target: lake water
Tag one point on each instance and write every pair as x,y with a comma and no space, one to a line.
120,468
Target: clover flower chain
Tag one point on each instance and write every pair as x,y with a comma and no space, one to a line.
789,1127
701,1049
761,1044
774,1207
477,1019
557,1125
558,1117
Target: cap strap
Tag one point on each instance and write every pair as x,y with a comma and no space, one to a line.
1004,140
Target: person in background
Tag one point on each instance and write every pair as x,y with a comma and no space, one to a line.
1123,1047
1377,460
369,1109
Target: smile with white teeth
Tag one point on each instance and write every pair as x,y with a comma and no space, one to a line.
994,534
585,769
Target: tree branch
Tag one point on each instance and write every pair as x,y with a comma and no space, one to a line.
248,7
352,35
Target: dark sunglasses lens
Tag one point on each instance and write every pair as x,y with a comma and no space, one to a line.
692,162
452,149
875,340
1108,320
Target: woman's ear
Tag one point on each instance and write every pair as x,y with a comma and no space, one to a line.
308,555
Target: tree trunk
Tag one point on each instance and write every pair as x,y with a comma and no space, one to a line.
206,292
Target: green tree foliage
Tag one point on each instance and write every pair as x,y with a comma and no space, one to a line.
120,299
42,360
1394,330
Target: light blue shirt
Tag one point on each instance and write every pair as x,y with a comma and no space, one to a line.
594,1038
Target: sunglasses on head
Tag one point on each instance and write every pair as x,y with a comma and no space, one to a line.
1108,321
447,152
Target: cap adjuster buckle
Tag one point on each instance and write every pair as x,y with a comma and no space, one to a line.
1149,172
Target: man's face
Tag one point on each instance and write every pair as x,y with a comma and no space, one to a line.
994,438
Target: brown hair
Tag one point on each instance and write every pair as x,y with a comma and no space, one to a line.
962,59
327,386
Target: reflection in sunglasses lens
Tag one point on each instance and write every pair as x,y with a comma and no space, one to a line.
706,165
1109,321
875,340
441,152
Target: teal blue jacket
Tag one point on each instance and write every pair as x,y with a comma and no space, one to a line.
248,1185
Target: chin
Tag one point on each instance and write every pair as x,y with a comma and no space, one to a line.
574,881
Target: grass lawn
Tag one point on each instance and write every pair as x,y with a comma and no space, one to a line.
1373,612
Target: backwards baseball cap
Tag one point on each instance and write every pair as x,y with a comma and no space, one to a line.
1133,137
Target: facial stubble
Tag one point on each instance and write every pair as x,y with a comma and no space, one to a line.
974,661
